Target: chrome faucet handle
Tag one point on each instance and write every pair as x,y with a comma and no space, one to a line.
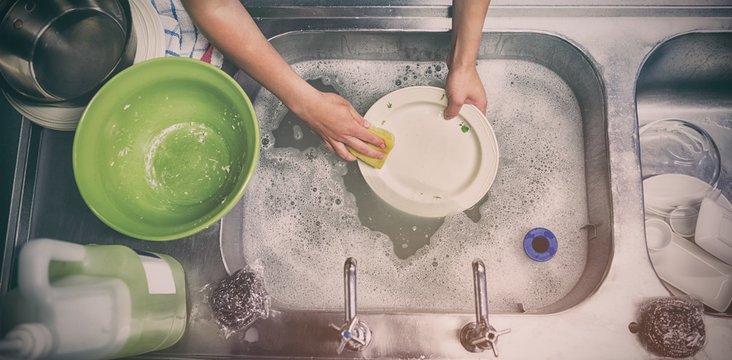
355,335
480,335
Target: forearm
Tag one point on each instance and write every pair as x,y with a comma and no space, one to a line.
467,28
233,31
463,83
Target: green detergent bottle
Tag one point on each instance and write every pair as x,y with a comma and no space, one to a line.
92,302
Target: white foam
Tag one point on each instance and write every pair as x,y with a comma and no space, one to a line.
301,223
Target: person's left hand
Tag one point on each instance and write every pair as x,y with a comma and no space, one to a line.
464,87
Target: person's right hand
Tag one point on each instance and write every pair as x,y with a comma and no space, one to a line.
335,120
464,87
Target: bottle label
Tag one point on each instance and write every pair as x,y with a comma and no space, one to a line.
158,273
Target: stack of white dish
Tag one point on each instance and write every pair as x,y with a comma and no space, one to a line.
698,264
149,31
688,221
150,44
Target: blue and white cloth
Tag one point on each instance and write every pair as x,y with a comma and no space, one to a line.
183,37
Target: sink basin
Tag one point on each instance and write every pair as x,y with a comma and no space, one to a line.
306,211
689,77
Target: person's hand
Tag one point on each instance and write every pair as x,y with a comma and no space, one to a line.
335,120
464,87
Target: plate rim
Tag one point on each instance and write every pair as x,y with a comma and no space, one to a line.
489,145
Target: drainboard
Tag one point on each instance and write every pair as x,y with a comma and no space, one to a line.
306,211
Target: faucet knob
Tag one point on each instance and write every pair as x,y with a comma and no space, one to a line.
355,335
479,337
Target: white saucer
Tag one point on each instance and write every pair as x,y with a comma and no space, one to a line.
437,167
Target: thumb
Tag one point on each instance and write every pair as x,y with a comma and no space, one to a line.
453,108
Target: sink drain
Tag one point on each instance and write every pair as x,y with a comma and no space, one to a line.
540,244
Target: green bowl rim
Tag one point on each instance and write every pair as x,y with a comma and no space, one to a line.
232,201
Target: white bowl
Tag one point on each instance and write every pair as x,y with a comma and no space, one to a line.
658,234
683,221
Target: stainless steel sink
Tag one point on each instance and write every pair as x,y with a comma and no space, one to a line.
548,112
576,68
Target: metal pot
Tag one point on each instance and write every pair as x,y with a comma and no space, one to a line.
62,51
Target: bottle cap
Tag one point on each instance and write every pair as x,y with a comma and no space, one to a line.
35,339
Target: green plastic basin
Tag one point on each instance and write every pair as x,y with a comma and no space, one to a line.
166,148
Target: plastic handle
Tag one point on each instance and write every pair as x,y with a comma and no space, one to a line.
34,262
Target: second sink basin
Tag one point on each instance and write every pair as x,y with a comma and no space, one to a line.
306,211
689,78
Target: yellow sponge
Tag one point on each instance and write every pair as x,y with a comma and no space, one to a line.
388,140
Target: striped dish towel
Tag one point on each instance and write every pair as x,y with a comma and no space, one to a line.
182,37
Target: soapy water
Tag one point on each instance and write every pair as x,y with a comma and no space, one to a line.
306,211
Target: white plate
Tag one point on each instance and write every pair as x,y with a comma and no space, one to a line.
438,167
666,192
148,29
140,28
155,29
56,118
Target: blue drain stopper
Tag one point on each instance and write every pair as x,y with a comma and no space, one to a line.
540,244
